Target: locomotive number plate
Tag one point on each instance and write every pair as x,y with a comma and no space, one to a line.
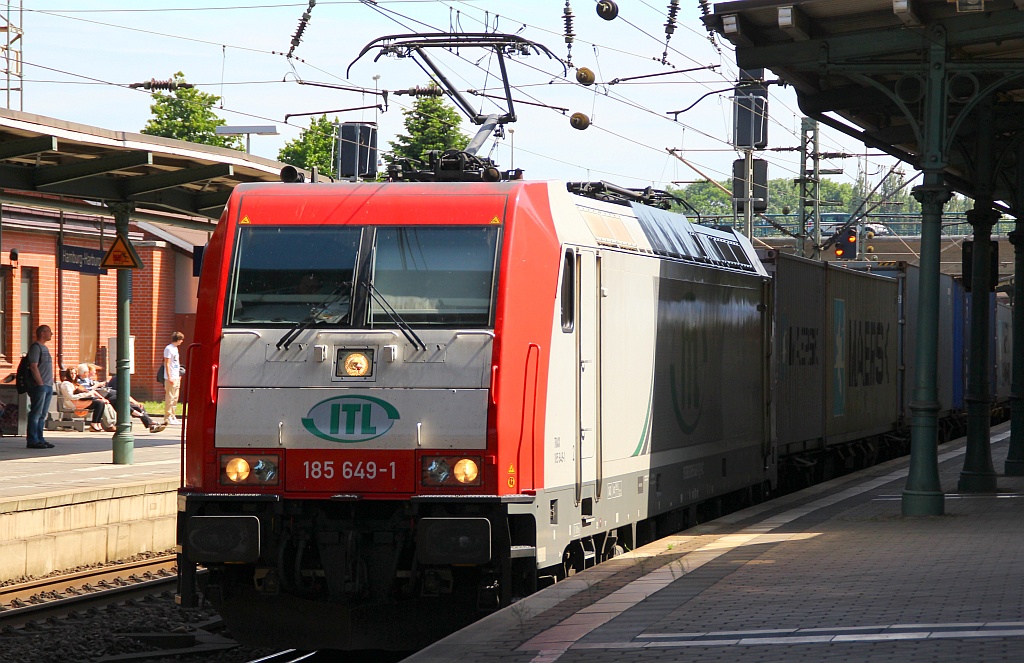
363,472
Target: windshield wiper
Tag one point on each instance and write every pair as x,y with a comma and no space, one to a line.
403,326
316,313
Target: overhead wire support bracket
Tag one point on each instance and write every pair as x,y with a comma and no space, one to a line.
615,81
337,110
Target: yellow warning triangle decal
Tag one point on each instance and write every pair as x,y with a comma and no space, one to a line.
121,255
245,219
511,469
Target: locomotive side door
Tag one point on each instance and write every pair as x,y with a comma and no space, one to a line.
588,396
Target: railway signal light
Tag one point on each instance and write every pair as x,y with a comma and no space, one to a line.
846,244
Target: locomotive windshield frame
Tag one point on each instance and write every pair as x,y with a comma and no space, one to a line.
353,277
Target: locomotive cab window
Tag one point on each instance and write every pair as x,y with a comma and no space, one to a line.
568,298
434,275
292,275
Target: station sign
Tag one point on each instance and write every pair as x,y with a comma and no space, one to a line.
81,259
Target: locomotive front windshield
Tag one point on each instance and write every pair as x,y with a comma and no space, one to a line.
434,275
323,276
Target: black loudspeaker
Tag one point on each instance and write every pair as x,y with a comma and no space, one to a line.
750,110
739,184
358,150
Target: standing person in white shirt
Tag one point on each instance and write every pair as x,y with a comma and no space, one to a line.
172,377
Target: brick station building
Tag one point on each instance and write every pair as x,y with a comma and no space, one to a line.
79,300
55,177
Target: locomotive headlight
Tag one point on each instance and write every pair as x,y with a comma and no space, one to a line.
355,363
466,471
451,471
237,470
249,470
436,471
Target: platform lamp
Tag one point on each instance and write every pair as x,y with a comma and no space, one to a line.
247,131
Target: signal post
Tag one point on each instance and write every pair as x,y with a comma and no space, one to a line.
123,257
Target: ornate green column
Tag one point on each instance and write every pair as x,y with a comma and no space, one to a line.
123,440
978,475
1015,455
923,493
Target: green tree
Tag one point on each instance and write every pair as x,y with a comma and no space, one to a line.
843,193
783,197
313,147
707,198
187,114
430,124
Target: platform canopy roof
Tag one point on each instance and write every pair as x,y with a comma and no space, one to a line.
864,67
49,157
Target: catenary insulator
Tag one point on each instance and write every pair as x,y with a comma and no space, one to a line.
568,18
153,84
422,91
673,12
570,36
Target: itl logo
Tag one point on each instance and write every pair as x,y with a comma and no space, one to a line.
350,419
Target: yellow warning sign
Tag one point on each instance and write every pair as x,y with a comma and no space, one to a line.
495,221
511,469
121,255
245,219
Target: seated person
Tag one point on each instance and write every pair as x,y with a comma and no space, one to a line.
136,407
77,398
87,378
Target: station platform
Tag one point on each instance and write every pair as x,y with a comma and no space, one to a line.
71,505
833,572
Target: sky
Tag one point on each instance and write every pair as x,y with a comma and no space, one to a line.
80,57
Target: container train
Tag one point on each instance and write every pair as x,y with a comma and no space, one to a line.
411,403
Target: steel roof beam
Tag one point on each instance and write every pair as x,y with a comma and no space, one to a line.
179,200
213,201
965,31
28,147
48,176
147,183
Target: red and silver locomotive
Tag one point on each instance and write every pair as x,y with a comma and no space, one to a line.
411,402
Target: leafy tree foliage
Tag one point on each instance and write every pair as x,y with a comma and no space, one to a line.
313,147
187,114
430,124
707,198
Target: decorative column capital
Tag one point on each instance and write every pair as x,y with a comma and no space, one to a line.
983,217
932,195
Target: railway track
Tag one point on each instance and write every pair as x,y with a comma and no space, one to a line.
55,596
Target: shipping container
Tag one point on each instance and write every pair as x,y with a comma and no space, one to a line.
798,366
861,360
949,350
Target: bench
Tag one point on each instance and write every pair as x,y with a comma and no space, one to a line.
61,417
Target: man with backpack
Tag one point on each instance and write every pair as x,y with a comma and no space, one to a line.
41,390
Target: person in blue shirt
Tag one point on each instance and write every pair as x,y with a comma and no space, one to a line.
41,365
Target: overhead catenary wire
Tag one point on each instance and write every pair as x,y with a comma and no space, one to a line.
639,106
